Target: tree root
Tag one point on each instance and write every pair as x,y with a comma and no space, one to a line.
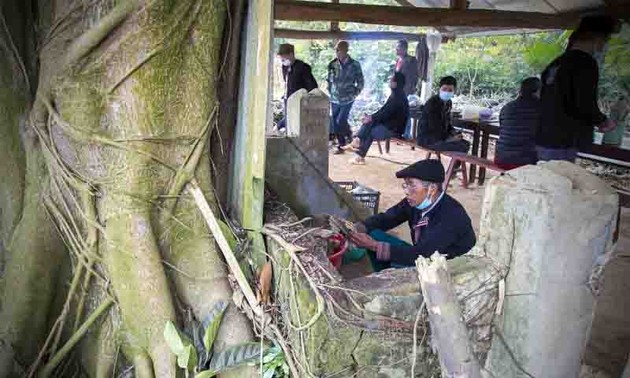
75,338
139,282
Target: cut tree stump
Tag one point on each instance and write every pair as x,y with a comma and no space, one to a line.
448,331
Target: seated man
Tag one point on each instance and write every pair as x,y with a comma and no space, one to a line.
435,131
437,221
519,121
388,122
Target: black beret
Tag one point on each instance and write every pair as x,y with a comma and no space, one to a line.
430,170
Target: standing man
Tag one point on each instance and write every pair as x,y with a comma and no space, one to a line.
408,66
345,82
296,75
569,92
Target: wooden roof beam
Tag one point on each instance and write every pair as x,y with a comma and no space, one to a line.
348,36
406,16
459,4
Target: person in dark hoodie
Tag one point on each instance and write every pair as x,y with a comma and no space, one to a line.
437,222
569,92
296,75
386,123
435,130
519,121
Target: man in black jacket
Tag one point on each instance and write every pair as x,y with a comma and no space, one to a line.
435,131
569,92
389,121
296,75
437,222
519,120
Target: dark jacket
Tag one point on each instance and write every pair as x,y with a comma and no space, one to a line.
345,80
409,69
435,121
445,228
519,121
298,76
394,114
569,101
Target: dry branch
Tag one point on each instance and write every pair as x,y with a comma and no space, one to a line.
448,332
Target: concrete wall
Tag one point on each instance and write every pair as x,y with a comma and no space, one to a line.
297,165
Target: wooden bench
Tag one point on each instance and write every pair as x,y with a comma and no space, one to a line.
466,159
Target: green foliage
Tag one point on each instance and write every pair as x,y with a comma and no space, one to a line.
188,352
212,324
235,356
274,364
176,340
541,49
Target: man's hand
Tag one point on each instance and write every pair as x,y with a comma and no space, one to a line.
607,125
363,240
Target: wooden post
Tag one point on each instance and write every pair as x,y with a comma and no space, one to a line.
254,113
449,335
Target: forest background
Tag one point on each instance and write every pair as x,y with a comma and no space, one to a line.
489,69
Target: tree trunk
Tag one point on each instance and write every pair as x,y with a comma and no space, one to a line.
125,105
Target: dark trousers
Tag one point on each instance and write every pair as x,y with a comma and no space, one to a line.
283,122
370,132
566,154
339,126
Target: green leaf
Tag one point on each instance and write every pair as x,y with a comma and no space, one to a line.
269,373
235,356
173,338
268,358
206,374
285,369
188,358
213,323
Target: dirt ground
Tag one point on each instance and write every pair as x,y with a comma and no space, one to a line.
609,345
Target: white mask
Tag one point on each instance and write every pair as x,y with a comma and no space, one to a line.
286,62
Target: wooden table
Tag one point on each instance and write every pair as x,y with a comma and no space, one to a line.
482,130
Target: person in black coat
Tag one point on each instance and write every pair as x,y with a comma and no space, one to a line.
435,130
389,121
519,120
437,222
569,92
296,75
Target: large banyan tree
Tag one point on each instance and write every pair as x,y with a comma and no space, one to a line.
107,109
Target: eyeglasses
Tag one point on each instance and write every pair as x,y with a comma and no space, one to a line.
411,186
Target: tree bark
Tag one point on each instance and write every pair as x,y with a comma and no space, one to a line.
125,105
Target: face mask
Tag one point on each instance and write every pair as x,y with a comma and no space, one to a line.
286,62
445,96
426,203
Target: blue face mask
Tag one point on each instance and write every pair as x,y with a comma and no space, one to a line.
445,96
426,203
